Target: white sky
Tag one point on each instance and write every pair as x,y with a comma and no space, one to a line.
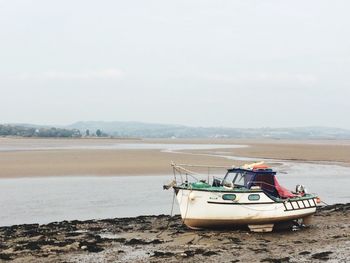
201,63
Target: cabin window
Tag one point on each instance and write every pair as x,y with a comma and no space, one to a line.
239,179
229,197
228,180
242,179
254,197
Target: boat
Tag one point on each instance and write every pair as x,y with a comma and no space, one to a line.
247,195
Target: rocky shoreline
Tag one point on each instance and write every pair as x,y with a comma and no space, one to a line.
165,239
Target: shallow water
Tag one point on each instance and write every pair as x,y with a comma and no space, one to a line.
43,200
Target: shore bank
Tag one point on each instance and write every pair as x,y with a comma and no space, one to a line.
165,239
59,157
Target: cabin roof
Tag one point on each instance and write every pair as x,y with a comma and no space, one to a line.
253,171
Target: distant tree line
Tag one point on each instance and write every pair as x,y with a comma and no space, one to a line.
14,130
98,133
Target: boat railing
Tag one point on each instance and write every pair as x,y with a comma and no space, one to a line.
184,173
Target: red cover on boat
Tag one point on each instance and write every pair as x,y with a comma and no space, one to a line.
260,166
283,192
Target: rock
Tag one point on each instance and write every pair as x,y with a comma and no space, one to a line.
120,240
145,227
94,248
199,251
156,241
189,253
73,234
135,241
209,253
235,240
4,256
322,255
276,260
162,254
259,250
304,253
31,246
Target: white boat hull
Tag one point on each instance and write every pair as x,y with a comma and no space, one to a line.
202,209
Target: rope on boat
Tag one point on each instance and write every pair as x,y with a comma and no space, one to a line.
171,215
179,168
184,171
188,199
171,211
172,205
204,166
187,172
324,202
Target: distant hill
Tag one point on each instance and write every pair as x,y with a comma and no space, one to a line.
152,130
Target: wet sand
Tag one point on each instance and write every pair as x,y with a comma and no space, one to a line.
33,157
166,239
325,151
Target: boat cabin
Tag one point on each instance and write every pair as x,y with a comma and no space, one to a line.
261,177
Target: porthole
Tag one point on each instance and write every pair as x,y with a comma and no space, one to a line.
229,197
254,197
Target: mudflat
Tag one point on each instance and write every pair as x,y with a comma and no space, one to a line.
165,239
21,157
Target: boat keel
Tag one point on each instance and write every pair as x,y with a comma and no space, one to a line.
261,228
307,220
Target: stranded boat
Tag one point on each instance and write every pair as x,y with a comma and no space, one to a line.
248,195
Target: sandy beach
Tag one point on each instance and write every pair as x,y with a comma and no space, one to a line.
59,157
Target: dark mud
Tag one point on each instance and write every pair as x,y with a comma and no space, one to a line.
165,239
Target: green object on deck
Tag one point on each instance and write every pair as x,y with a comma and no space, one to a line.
200,185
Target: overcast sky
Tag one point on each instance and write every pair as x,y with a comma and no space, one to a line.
201,63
